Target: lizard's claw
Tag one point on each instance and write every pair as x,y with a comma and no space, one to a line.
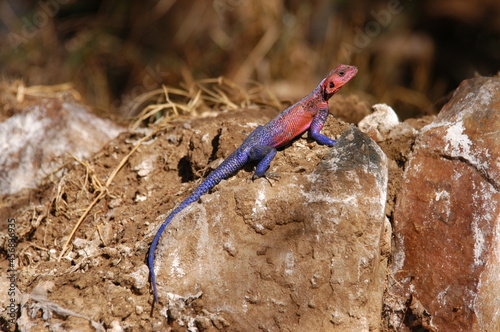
271,176
268,176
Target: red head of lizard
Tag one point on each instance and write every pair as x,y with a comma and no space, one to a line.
336,79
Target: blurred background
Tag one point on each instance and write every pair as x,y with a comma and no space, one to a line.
411,54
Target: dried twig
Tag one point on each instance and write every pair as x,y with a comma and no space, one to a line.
102,190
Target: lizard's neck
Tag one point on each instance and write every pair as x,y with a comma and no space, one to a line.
317,95
313,101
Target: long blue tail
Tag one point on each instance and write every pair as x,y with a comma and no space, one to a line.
232,164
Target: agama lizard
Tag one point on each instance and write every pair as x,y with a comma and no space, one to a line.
309,113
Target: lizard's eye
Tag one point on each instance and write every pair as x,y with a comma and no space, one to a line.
341,73
331,85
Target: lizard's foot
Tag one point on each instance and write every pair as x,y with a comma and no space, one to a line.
271,176
268,176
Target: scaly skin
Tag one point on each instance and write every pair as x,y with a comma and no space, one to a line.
309,113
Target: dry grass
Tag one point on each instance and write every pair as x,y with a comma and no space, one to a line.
21,91
163,105
15,95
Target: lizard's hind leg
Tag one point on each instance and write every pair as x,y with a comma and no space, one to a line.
266,154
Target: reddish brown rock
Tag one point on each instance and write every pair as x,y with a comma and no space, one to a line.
447,219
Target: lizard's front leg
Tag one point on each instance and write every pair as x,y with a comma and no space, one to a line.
265,154
317,124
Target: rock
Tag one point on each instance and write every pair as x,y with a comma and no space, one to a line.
384,124
302,254
396,139
379,123
447,218
32,141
